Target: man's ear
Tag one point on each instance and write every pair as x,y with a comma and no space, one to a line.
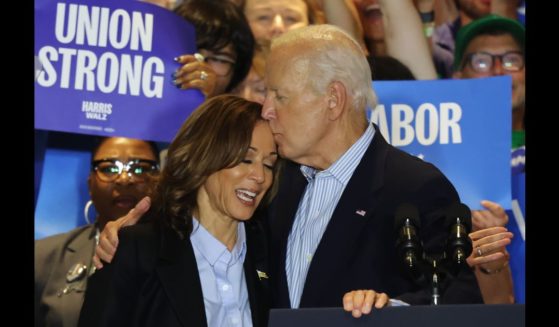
337,98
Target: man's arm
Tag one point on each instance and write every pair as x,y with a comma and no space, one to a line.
108,240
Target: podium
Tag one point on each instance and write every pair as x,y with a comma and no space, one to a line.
463,315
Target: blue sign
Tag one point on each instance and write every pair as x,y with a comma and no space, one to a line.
105,68
461,126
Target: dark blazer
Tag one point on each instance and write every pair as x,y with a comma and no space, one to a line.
358,251
54,257
154,281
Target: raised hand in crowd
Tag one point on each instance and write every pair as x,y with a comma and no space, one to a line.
195,73
489,258
225,47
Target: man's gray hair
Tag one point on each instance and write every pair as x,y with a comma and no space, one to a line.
333,55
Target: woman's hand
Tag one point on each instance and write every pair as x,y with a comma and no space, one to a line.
195,73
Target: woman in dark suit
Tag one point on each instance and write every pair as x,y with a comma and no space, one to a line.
198,261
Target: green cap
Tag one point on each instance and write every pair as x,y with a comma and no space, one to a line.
478,26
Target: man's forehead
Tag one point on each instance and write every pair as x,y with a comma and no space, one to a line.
287,70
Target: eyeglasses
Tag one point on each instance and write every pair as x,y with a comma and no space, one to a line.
221,65
108,170
482,62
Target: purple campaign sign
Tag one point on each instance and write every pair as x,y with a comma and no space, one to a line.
106,68
461,126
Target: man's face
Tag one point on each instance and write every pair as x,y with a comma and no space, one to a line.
475,8
297,115
496,45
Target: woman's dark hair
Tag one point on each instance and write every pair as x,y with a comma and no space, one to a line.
219,23
217,135
386,68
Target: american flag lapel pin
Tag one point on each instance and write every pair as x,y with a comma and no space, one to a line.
361,212
261,274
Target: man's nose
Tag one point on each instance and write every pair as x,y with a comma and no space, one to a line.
268,111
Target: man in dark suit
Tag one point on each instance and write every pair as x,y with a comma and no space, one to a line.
332,222
331,225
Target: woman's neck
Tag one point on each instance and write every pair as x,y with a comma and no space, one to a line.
222,228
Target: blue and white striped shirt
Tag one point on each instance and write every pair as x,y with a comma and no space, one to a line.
320,198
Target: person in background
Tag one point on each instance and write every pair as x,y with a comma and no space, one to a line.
393,28
225,47
198,260
271,18
444,35
253,88
387,68
123,171
494,46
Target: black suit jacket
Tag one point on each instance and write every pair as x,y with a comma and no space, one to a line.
154,281
358,251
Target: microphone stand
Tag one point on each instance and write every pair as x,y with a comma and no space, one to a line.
435,284
433,268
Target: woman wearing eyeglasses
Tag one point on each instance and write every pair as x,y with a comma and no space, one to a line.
225,46
123,171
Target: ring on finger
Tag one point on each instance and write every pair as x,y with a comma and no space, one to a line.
479,252
203,75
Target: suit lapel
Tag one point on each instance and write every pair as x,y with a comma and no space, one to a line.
178,273
79,250
251,280
282,216
288,203
354,210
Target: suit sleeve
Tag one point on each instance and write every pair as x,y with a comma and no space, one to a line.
112,292
45,252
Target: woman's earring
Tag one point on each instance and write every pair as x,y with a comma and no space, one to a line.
86,211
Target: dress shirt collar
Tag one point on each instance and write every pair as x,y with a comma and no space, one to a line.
343,168
212,249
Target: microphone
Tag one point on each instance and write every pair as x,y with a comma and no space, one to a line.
459,245
408,245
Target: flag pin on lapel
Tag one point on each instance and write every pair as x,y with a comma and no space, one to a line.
261,274
361,212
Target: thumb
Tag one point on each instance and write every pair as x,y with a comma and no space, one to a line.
137,212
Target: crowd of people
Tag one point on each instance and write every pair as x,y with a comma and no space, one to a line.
277,192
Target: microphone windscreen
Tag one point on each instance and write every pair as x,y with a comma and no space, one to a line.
459,210
406,211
